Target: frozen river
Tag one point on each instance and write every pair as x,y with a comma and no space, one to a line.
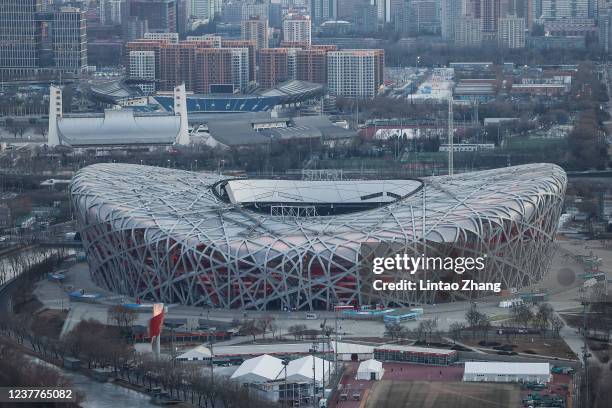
102,395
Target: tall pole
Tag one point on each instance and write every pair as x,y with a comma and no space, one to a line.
323,358
285,363
314,376
585,352
212,355
451,126
424,220
336,347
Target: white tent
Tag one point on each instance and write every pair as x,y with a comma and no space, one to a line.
353,351
500,371
196,354
370,370
259,370
301,370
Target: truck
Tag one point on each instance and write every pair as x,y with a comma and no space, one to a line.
70,236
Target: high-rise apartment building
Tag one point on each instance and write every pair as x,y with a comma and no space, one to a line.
250,9
276,65
160,14
512,32
142,68
489,17
197,63
323,10
383,8
604,26
355,73
20,35
255,29
526,10
297,29
183,10
133,28
345,9
251,46
468,32
364,17
424,16
112,12
565,9
472,8
32,40
221,66
450,11
202,9
536,9
69,39
311,65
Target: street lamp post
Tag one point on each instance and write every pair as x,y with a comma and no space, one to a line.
314,374
285,364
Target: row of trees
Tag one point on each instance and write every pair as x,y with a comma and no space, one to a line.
101,346
262,325
34,261
191,383
427,331
16,370
20,127
543,317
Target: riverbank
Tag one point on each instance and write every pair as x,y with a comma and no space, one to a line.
97,394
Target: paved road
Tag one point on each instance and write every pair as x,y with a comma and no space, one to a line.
561,298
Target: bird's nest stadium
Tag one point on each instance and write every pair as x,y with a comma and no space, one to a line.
210,240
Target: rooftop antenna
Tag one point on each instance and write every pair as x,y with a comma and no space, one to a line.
451,126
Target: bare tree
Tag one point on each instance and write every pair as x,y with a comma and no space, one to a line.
543,316
557,324
297,330
485,326
522,315
250,327
393,331
455,329
264,324
473,317
122,316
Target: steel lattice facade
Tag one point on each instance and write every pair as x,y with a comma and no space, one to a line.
164,235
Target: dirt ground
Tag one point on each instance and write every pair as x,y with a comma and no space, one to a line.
419,394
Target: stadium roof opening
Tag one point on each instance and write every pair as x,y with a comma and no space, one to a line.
325,196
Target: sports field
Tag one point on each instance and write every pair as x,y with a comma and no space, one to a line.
420,394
